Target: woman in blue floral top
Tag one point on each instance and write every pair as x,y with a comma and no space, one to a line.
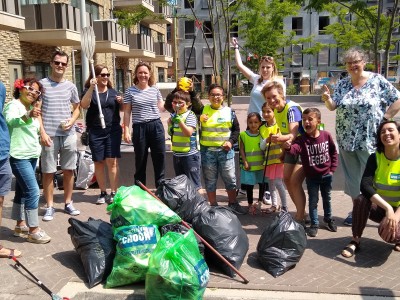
362,100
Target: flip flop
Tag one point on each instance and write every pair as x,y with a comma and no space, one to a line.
396,248
272,209
351,249
8,253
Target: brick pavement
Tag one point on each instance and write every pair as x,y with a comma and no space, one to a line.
374,271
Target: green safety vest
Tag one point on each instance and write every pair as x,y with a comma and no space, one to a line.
181,143
387,179
254,155
282,118
275,150
217,129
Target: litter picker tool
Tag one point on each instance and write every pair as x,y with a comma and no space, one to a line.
88,43
38,282
142,186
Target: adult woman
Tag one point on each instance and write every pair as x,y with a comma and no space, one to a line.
380,187
144,102
21,116
288,117
104,143
267,72
361,101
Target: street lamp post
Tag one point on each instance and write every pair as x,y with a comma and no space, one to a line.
381,52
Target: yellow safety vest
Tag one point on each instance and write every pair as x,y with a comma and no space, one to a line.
181,143
217,129
282,118
387,179
275,150
254,155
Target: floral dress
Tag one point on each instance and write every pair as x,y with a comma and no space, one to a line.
359,111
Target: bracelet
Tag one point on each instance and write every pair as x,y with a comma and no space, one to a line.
236,47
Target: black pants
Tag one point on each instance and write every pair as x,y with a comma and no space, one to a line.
149,135
249,192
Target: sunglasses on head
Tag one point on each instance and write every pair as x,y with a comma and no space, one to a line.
60,63
104,74
267,58
32,90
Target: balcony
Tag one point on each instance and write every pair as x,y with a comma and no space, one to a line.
110,37
134,3
140,46
162,14
10,18
55,24
163,52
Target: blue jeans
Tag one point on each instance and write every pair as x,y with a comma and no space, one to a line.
222,162
26,187
190,166
313,186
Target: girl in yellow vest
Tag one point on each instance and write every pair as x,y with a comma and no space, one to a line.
274,169
182,126
380,191
251,158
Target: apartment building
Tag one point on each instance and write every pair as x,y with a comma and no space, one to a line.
30,30
298,67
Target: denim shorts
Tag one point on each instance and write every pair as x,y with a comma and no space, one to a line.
66,146
5,177
105,143
222,162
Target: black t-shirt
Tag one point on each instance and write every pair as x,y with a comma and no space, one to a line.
109,107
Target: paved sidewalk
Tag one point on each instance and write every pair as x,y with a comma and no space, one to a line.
374,271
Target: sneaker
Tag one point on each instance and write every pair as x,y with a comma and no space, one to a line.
102,198
349,220
237,209
110,199
71,210
21,231
267,198
313,230
49,214
39,237
331,226
240,192
285,209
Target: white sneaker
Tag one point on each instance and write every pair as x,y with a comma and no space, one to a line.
267,198
49,214
39,237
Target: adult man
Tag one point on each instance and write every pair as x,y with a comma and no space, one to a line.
5,169
57,132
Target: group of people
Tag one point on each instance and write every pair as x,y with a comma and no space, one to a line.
282,145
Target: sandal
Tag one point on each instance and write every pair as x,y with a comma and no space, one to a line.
9,253
352,248
272,209
396,248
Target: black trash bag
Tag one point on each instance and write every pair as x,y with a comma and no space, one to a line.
182,230
93,240
281,245
180,195
223,231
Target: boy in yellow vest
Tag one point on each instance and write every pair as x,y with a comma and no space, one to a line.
182,126
219,131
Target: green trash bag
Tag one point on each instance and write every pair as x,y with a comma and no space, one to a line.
134,247
177,270
133,206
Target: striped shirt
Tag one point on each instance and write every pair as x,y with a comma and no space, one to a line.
143,103
191,121
56,105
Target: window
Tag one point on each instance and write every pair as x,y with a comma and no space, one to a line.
160,37
323,22
323,57
188,3
145,30
234,28
189,30
207,58
161,74
297,56
208,29
297,25
204,4
190,62
169,32
119,81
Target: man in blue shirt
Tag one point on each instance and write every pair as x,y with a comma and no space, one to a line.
5,169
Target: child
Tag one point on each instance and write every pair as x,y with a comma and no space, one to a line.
319,157
251,158
219,131
274,165
182,126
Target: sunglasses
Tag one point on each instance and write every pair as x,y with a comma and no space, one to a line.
60,63
267,58
32,90
104,74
